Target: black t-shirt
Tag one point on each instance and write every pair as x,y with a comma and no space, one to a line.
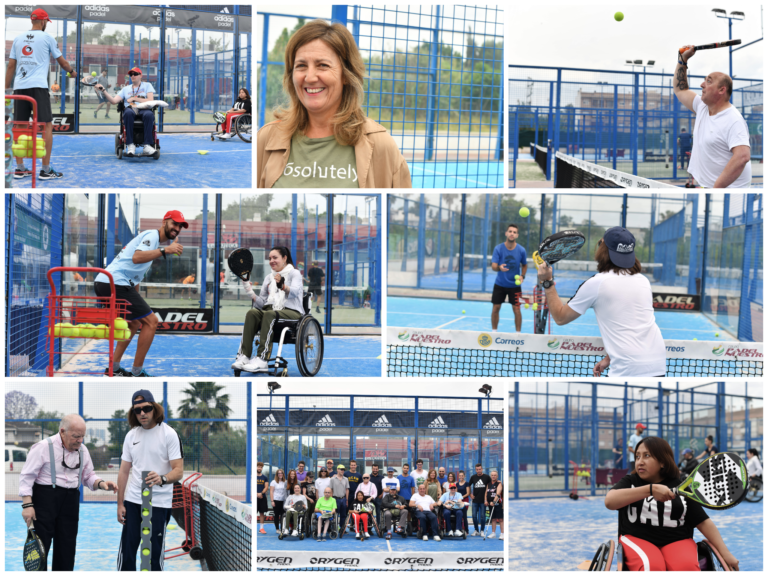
354,480
490,494
311,490
376,481
689,465
462,489
315,275
480,485
659,523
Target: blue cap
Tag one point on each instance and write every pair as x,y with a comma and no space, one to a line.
146,394
687,451
390,469
621,246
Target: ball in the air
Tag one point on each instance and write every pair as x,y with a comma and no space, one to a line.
619,16
695,338
93,73
463,311
524,212
526,305
717,334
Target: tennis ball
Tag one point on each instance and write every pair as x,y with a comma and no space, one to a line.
145,530
518,282
145,512
695,338
68,76
66,330
145,551
463,311
24,139
145,492
535,306
19,151
524,212
717,334
7,101
100,331
93,74
202,152
86,331
56,330
526,305
121,324
75,332
619,16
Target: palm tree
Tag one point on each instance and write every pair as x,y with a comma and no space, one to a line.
204,401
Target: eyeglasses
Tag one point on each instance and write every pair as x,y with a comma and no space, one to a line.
144,409
79,463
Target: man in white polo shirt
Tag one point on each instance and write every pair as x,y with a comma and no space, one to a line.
721,154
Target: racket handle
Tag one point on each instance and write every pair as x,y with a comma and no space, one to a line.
686,48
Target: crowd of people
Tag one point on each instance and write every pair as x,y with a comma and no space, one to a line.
390,500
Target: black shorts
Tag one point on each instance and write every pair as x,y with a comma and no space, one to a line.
23,109
137,307
261,505
316,290
500,295
498,512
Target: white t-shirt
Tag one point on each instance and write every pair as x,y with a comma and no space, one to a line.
281,490
623,306
419,478
293,499
754,468
321,484
713,140
152,451
122,268
391,482
424,501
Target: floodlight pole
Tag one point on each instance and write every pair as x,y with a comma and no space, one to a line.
730,19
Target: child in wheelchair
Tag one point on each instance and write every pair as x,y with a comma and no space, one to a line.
363,517
225,120
295,508
325,521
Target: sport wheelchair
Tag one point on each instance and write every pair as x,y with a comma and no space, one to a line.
241,127
444,530
372,524
302,510
710,559
333,529
307,337
755,490
138,134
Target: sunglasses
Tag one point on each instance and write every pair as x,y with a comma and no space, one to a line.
145,409
366,477
453,487
133,74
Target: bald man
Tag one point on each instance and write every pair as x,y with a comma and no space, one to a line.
49,486
721,154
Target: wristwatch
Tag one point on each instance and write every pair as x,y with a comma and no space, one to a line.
162,251
548,284
164,480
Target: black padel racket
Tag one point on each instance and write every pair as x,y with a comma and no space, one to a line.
719,482
559,246
34,553
241,263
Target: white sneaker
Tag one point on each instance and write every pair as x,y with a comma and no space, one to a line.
256,364
130,149
458,533
425,538
501,535
225,135
295,533
366,535
240,362
493,535
357,535
450,533
286,532
437,538
148,150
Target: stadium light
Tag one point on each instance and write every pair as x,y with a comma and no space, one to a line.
486,389
273,386
734,15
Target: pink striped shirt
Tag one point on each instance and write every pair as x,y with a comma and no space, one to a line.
37,468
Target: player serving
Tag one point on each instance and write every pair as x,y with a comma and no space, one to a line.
721,154
509,260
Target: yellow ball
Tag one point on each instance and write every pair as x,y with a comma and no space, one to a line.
93,74
145,493
518,282
695,338
145,551
75,332
145,530
145,512
463,311
19,151
524,212
66,330
56,331
121,323
526,305
619,16
717,334
24,139
535,306
100,331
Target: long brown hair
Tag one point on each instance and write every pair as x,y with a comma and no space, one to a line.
349,119
604,264
158,415
291,480
662,451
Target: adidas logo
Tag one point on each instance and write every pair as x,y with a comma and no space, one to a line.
325,421
382,422
438,423
492,424
269,421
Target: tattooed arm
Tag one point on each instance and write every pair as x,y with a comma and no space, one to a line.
680,81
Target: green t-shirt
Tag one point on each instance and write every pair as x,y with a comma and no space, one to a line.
319,163
328,505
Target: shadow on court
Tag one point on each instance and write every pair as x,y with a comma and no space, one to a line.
559,534
211,356
89,161
98,540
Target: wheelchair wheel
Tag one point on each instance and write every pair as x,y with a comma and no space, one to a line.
754,492
309,346
710,559
243,127
117,144
120,153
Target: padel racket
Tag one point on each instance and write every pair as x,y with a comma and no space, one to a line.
559,246
34,553
712,46
719,482
241,263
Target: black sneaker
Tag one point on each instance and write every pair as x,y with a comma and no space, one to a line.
94,114
142,374
119,372
22,172
52,175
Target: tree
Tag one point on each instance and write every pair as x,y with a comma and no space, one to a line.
203,401
118,427
55,418
19,406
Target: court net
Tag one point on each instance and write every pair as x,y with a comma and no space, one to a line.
574,173
224,530
378,561
416,352
541,156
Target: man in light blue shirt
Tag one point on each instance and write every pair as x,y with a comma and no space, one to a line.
509,260
633,441
128,270
132,94
27,74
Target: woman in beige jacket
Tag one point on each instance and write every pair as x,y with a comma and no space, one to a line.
323,139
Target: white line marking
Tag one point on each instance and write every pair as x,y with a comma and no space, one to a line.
451,322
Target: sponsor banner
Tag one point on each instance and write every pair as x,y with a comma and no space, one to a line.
318,418
321,431
68,11
196,320
237,510
244,24
123,14
382,431
189,19
452,432
622,179
725,351
270,419
63,123
447,420
268,560
492,421
377,454
384,418
684,302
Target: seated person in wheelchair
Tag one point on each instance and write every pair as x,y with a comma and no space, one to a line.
361,510
324,511
688,463
281,294
655,524
293,511
241,106
133,94
424,512
394,506
754,467
453,507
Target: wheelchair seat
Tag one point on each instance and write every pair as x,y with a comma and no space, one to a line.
138,132
306,336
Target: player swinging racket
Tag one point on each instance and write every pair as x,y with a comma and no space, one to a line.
509,260
721,153
128,270
655,522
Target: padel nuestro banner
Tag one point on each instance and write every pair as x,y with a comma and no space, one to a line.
241,512
684,302
195,320
296,560
620,178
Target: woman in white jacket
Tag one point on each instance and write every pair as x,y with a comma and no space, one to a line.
281,294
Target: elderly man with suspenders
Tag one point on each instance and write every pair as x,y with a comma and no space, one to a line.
49,485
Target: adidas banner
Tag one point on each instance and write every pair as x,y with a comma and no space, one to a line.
269,419
383,432
384,419
492,425
318,418
448,420
320,431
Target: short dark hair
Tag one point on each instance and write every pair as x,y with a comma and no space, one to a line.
604,263
478,464
513,226
374,465
302,462
355,461
710,438
419,460
662,451
682,129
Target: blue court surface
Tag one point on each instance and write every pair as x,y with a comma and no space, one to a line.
559,534
457,174
211,356
447,314
89,161
98,540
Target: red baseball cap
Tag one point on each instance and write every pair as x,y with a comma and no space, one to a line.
177,217
639,426
135,69
40,14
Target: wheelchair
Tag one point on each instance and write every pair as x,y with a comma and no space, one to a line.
138,134
241,126
417,529
333,529
396,518
755,490
307,337
709,558
445,529
300,528
372,524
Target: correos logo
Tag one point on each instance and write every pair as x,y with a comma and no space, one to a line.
404,336
484,340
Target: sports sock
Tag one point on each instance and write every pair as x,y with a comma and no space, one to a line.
46,167
116,366
136,370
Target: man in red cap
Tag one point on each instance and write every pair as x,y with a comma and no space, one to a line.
27,75
632,442
133,94
128,270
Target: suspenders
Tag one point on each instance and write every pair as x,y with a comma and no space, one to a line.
53,465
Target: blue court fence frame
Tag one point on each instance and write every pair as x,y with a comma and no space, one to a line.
546,439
